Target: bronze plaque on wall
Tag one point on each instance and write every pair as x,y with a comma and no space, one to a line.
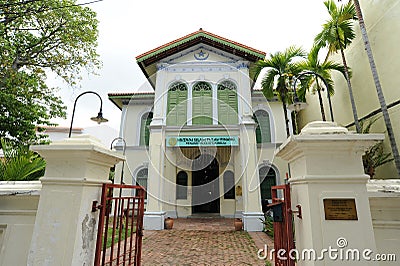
340,209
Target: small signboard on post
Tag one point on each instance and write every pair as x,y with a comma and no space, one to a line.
340,209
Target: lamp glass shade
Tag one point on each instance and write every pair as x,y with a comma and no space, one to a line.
297,106
99,118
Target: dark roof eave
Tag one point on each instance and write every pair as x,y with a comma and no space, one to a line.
199,36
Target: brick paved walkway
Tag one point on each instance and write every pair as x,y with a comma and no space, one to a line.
202,242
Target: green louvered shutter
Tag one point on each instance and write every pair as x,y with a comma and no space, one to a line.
144,128
263,130
177,104
147,129
202,104
267,179
141,179
227,103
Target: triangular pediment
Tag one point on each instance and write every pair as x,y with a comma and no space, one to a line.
219,48
201,53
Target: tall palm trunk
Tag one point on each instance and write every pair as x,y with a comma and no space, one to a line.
285,114
353,103
378,87
321,104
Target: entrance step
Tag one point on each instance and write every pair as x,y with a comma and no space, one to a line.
204,216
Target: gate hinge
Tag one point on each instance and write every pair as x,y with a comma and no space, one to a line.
140,232
95,207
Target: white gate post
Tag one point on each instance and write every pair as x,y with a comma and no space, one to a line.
328,182
65,229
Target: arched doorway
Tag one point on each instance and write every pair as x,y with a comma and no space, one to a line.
267,180
205,184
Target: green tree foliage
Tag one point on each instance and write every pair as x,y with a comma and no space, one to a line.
20,163
337,34
281,67
38,37
324,69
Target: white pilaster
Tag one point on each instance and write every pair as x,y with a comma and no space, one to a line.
154,215
251,182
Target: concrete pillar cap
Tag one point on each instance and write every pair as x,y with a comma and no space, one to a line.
323,127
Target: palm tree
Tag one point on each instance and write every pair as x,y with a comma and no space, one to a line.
337,34
378,86
20,163
280,70
314,65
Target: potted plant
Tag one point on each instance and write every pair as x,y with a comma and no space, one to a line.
168,223
238,224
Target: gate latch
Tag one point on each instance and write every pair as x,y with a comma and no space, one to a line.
298,211
95,207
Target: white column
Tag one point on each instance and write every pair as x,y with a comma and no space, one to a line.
327,181
251,182
65,229
244,90
123,119
154,215
214,104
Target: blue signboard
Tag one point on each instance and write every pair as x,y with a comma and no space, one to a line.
196,141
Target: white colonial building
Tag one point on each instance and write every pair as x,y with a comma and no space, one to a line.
203,141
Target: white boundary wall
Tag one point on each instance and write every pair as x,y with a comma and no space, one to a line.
19,201
384,201
18,207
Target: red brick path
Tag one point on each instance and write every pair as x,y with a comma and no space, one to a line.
202,242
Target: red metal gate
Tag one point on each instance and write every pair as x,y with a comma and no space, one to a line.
120,230
283,225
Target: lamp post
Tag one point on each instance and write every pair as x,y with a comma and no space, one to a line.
326,86
99,118
297,105
120,207
123,153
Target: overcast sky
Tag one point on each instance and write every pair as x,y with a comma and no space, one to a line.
129,28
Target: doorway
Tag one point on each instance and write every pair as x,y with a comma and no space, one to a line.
205,184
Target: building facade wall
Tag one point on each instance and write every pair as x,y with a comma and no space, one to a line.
164,163
382,21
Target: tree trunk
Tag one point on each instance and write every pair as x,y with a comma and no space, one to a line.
321,104
353,103
283,98
378,87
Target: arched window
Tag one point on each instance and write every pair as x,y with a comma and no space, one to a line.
144,129
202,111
141,179
263,130
177,104
267,180
229,185
227,103
181,185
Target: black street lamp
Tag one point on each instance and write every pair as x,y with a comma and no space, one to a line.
123,153
120,207
297,103
99,118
